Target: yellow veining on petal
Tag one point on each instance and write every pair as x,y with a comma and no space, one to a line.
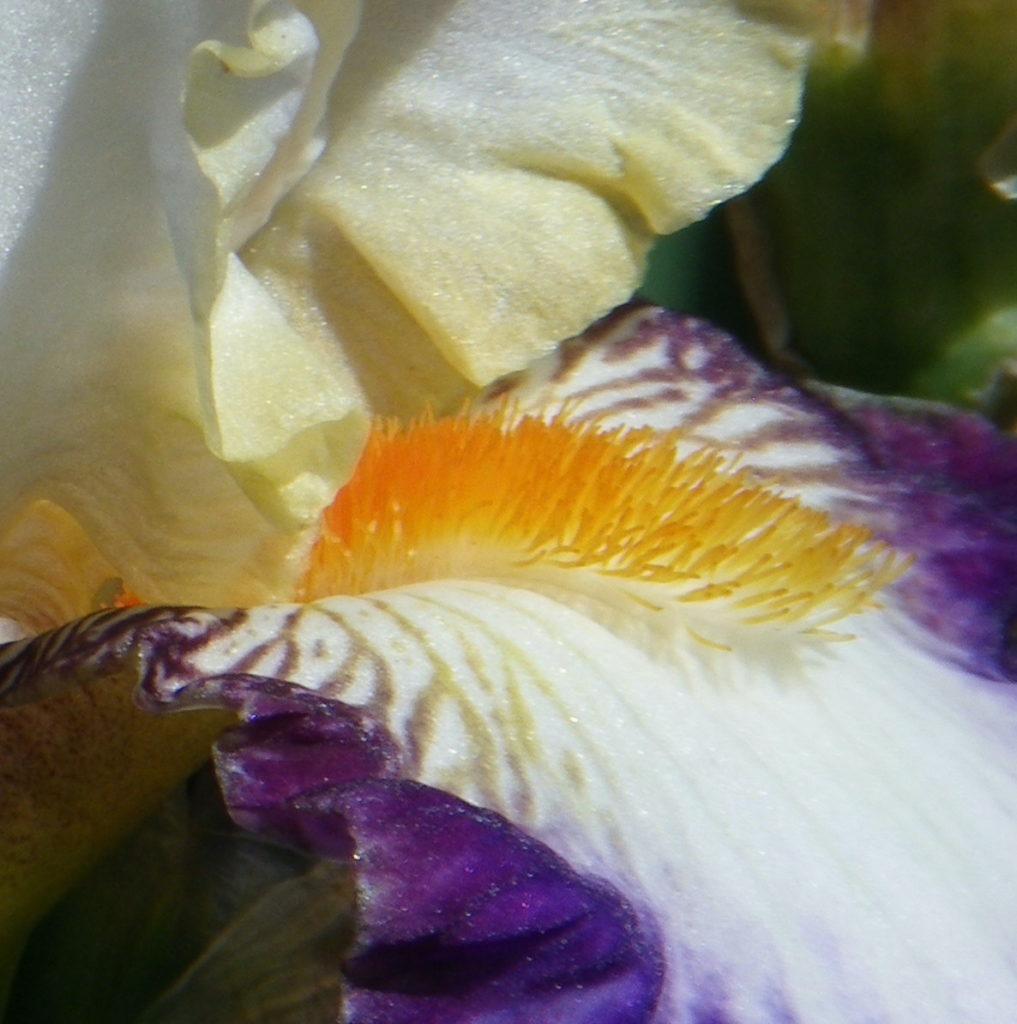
504,495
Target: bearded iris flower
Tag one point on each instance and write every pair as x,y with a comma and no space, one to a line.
234,231
649,688
634,699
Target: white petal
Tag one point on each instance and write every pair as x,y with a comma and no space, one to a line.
645,367
821,830
931,481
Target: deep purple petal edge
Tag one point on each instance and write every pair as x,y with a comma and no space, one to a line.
462,917
489,925
956,492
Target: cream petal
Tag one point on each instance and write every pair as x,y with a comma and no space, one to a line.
268,386
502,167
821,831
51,571
241,103
149,331
274,401
111,239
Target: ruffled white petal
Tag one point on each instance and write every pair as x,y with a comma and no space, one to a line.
820,830
275,403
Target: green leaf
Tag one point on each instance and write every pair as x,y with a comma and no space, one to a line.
140,919
893,242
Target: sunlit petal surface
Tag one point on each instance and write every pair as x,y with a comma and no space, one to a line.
499,169
808,813
813,831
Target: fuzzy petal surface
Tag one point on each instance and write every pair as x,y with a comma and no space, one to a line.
936,483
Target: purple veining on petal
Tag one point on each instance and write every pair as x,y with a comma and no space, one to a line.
463,918
938,484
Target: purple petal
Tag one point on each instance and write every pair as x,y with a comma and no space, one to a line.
502,929
955,494
462,917
938,484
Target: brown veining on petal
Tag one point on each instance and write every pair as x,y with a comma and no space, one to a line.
45,665
80,763
361,653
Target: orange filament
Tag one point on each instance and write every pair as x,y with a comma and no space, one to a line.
503,496
127,599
